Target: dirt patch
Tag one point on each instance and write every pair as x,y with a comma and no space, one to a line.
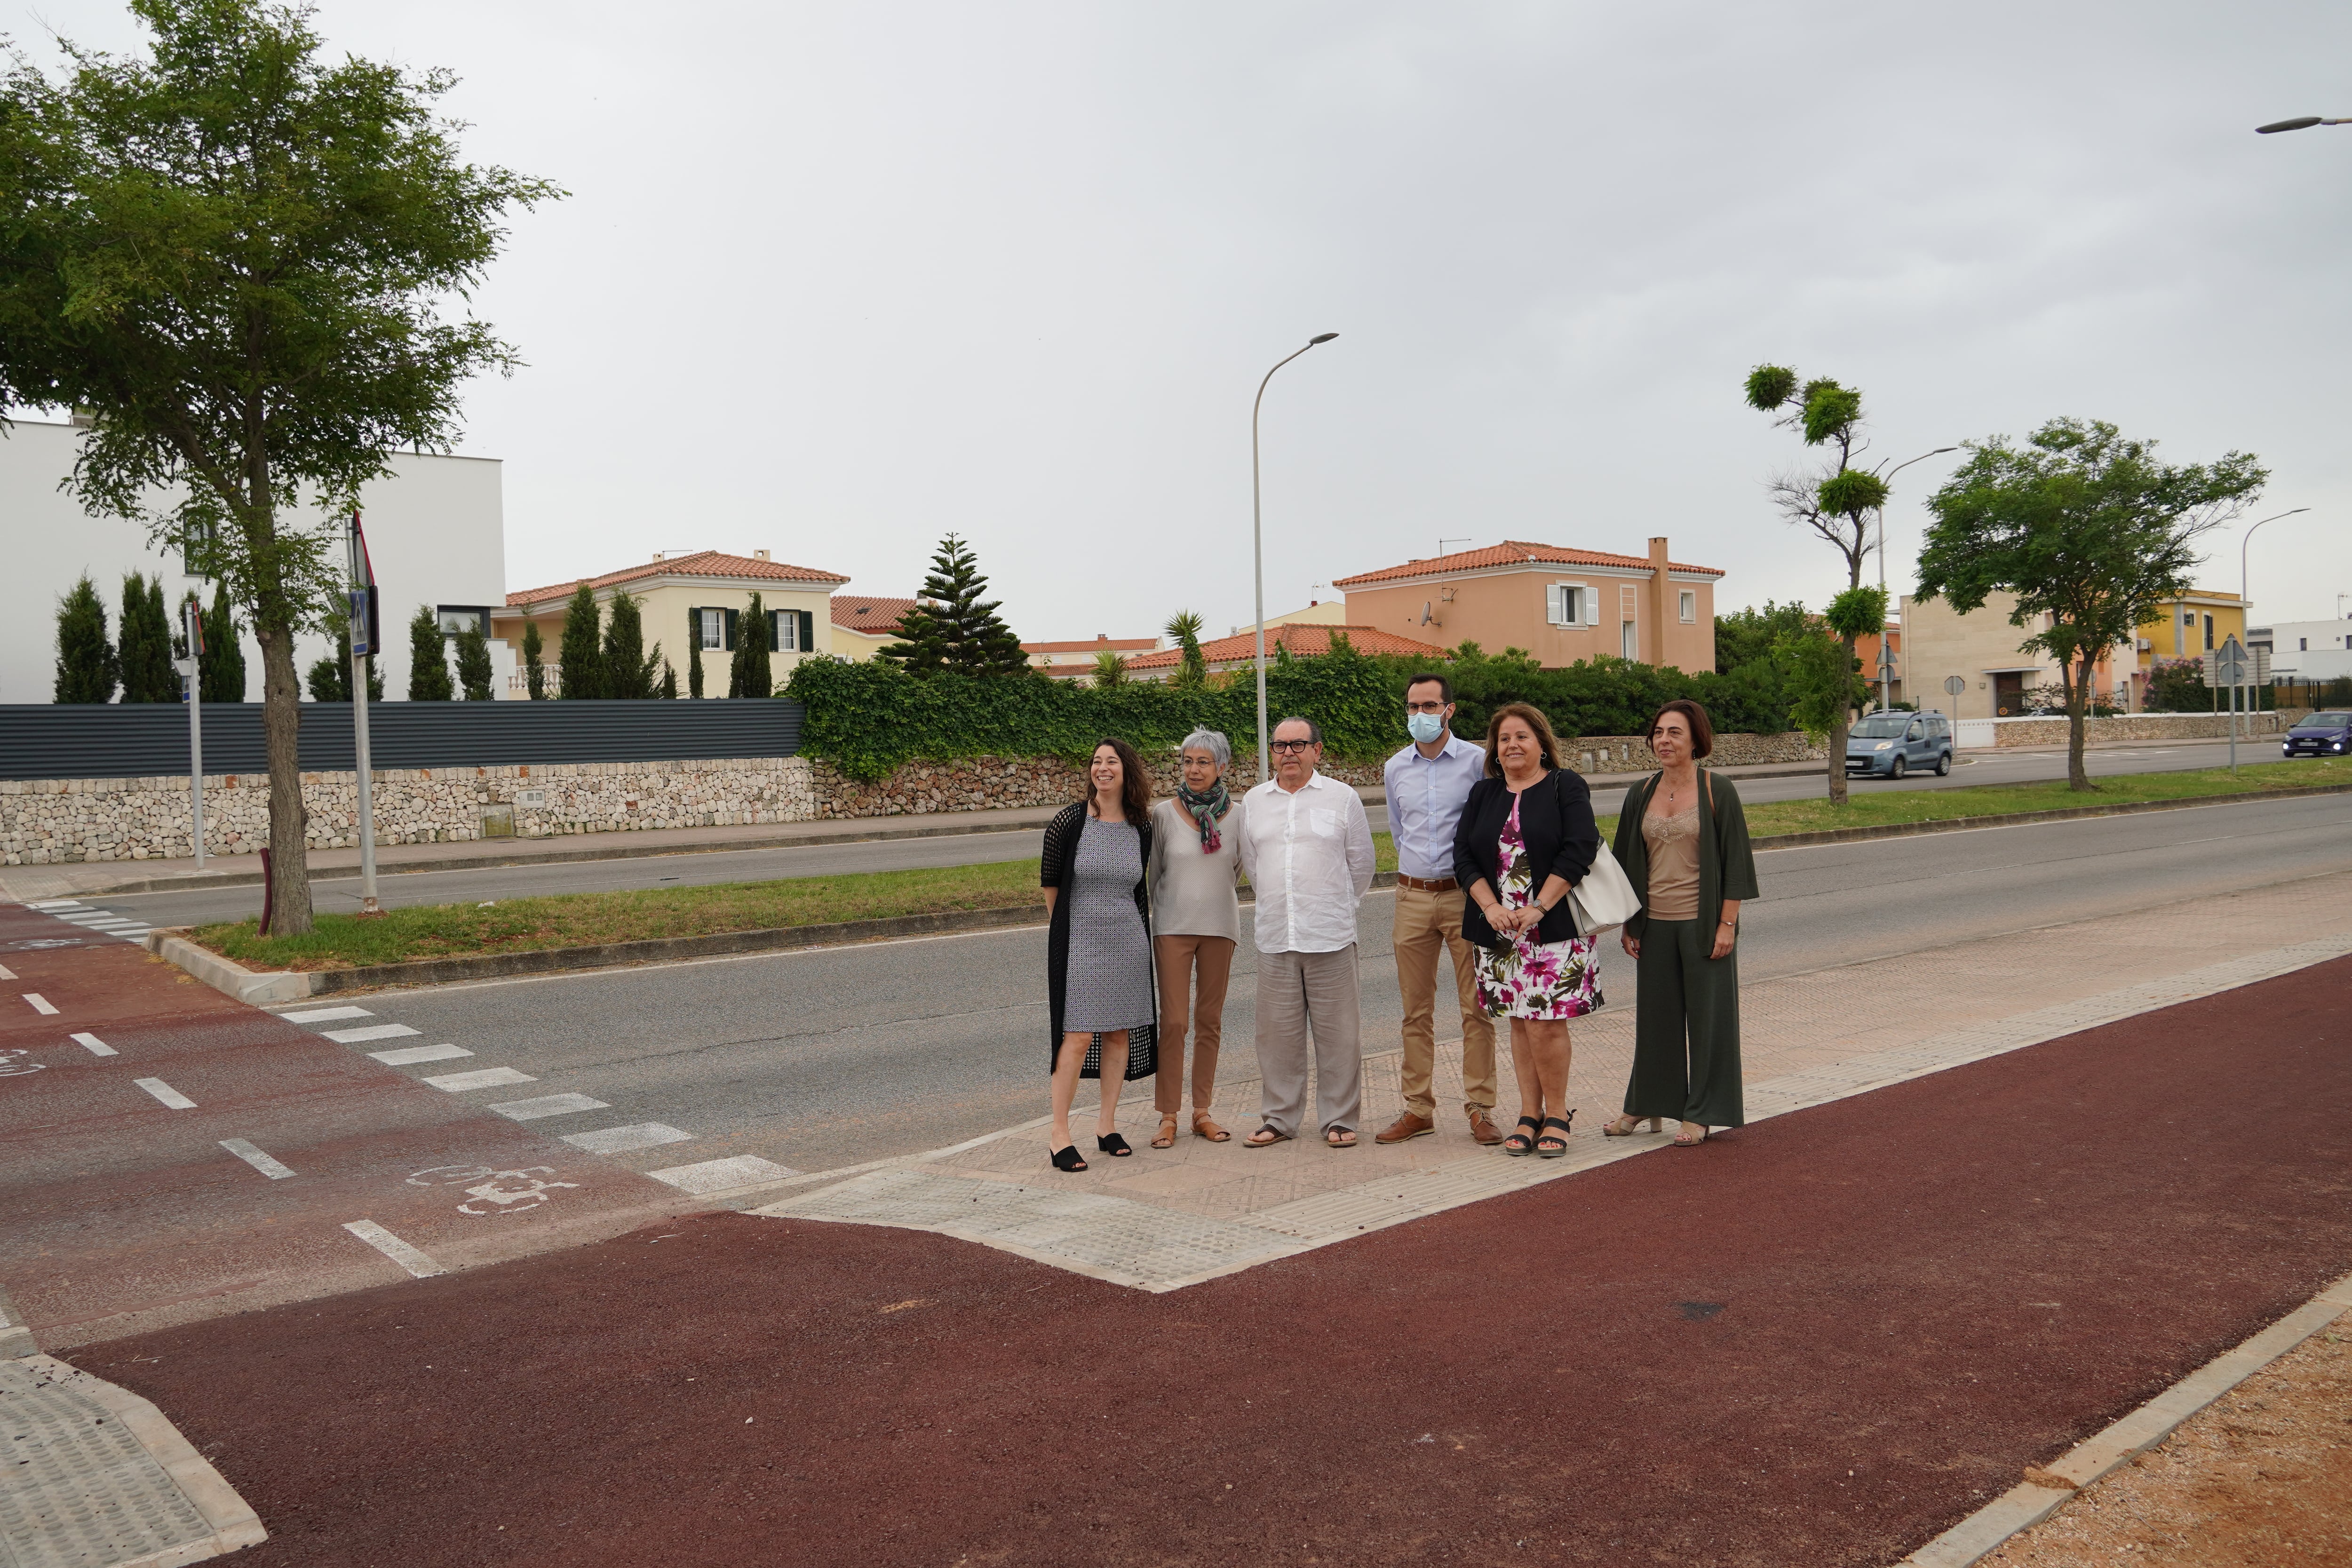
2261,1478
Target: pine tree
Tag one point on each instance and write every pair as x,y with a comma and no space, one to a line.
693,663
626,671
221,675
534,666
583,660
475,671
428,659
752,675
670,679
951,626
87,669
145,649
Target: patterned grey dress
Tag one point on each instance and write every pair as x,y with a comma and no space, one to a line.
1111,955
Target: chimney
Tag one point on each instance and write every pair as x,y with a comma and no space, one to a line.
762,556
658,555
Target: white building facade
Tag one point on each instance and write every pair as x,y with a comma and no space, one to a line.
436,532
2308,650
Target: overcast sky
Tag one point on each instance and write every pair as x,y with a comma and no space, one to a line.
834,279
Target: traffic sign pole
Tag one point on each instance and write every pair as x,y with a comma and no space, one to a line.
192,629
364,628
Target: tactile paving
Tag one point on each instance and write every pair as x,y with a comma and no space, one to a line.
76,1491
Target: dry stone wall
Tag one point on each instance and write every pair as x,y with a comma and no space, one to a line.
2146,727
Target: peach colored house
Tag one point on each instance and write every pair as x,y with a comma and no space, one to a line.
1301,639
1562,606
1076,661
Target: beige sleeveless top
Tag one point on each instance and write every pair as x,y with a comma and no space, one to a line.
1672,843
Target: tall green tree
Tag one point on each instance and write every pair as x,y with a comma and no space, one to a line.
475,671
951,626
145,644
629,670
534,662
330,677
87,670
694,663
220,673
2088,529
581,652
1110,669
1747,635
1192,668
428,659
241,253
668,679
750,674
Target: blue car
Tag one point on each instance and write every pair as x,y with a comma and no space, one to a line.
2321,736
1888,745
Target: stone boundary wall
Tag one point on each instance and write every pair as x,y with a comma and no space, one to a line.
2144,727
48,822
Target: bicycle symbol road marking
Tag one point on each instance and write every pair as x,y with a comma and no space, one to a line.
504,1192
13,1066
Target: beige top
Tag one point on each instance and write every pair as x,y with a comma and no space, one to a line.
1192,893
1674,864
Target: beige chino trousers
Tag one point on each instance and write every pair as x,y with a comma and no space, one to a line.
1425,924
1309,1009
1180,959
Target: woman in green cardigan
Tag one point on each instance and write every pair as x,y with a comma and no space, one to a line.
1683,841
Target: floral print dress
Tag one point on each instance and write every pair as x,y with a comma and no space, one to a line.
1524,978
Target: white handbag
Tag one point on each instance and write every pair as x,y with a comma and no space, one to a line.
1604,897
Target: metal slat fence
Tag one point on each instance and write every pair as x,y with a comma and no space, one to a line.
145,740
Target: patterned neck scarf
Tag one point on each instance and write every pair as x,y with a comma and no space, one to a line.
1206,808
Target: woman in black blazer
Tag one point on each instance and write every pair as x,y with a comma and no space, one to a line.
1527,837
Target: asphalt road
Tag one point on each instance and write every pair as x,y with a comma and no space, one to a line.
343,893
817,1060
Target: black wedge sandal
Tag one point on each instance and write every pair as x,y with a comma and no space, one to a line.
1519,1143
1111,1144
1548,1147
1067,1158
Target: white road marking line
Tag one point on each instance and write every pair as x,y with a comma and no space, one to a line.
720,1175
166,1093
548,1105
7,973
95,1046
485,1077
326,1014
620,1140
40,1004
409,1055
373,1032
257,1159
391,1247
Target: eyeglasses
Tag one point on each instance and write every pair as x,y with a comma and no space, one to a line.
1424,707
1290,745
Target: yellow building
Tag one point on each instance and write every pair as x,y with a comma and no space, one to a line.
2187,626
686,599
863,626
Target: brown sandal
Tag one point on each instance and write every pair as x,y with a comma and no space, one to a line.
1204,1127
1166,1137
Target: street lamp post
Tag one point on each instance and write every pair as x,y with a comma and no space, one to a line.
1257,549
2245,614
1886,654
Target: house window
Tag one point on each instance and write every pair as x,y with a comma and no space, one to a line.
457,619
784,631
2208,631
1569,605
1690,606
2303,644
1631,639
712,624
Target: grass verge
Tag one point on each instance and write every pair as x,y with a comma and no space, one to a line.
583,920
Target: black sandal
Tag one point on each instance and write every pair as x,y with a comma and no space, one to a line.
1548,1147
1111,1144
1519,1144
1067,1158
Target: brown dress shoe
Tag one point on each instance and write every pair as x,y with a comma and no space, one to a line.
1483,1128
1404,1127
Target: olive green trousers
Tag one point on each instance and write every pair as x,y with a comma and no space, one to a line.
1685,1028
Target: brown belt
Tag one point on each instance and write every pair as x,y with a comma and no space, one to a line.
1444,885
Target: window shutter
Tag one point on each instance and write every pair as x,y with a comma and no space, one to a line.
1554,594
732,617
808,630
1591,607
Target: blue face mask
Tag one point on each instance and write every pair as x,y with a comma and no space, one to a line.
1425,727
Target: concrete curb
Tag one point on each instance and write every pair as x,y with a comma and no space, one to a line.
223,974
2023,818
2028,1503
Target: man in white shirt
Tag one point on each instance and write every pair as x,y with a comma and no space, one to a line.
1428,785
1306,848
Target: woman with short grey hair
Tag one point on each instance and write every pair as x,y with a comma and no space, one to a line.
1196,924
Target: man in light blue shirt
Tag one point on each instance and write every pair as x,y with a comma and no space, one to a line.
1428,785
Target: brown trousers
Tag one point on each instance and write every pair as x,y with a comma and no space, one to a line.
1425,924
1179,957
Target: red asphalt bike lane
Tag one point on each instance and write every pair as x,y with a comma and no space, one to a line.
1821,1340
119,1214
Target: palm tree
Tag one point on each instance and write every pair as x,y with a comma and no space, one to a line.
1109,669
1184,625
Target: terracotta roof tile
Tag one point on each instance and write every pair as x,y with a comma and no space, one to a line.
869,615
1510,553
1116,645
702,563
1303,641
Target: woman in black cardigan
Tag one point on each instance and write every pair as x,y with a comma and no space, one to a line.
1098,968
1527,837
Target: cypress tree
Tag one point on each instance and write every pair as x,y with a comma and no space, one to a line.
534,667
87,669
625,673
583,660
693,662
331,678
146,650
221,676
670,679
951,626
751,674
475,671
428,659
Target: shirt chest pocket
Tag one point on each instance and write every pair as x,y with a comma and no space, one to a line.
1322,823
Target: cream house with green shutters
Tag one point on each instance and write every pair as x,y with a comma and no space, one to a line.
691,598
